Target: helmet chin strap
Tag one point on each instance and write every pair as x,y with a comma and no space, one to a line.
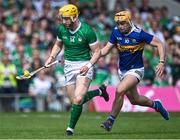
74,18
131,25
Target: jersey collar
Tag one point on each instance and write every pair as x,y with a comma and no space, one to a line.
72,32
132,29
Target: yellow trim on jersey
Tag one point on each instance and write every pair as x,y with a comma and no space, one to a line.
131,48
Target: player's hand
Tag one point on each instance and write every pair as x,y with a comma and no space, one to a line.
160,70
48,61
62,62
84,70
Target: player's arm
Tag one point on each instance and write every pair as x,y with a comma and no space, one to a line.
106,49
91,39
112,40
161,49
96,54
55,50
150,39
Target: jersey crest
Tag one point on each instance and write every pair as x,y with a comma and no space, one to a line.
72,38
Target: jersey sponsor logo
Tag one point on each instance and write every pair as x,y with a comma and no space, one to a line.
80,39
119,38
131,48
64,37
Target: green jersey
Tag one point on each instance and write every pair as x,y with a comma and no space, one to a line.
77,43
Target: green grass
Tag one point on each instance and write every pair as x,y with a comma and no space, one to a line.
53,125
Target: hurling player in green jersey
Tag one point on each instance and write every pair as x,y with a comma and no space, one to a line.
81,52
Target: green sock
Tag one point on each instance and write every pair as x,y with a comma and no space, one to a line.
90,94
76,111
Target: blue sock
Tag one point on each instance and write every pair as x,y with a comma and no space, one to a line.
111,118
154,105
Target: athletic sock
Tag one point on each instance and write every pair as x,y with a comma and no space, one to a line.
90,94
111,119
76,111
154,105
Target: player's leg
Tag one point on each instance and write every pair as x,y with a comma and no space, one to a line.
101,91
127,83
82,85
137,99
71,70
70,91
141,100
98,92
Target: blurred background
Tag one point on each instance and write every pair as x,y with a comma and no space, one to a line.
28,32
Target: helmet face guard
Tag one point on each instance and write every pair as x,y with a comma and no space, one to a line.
123,18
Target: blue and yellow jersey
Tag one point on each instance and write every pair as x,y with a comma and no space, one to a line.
130,47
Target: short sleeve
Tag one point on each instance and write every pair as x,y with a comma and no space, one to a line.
113,39
146,37
91,36
58,33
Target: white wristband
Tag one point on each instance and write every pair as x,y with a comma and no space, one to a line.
89,65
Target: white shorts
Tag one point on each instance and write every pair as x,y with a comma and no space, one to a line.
72,70
138,73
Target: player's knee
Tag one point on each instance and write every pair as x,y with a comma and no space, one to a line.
78,100
71,99
120,92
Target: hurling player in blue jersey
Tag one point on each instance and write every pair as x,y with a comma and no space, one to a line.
130,42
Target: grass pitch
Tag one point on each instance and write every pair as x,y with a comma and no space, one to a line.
52,126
